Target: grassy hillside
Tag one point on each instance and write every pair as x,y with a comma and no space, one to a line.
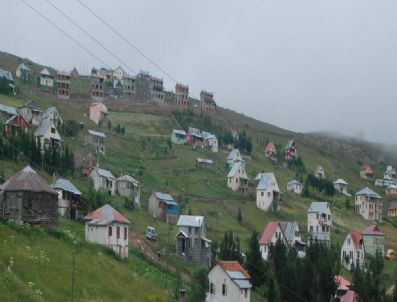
144,152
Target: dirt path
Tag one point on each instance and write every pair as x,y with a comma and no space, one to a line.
140,242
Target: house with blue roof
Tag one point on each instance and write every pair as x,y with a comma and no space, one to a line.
68,198
319,222
163,207
267,192
369,204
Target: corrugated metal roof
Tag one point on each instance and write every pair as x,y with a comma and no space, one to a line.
97,133
207,135
8,109
189,220
105,173
268,232
318,207
44,126
32,105
23,67
233,171
290,144
367,191
179,132
266,181
105,215
242,283
234,154
340,181
289,228
128,179
164,196
195,132
65,185
27,180
372,230
293,182
50,111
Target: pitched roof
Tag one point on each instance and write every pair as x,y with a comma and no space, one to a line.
180,132
50,111
356,237
22,66
105,215
43,128
318,207
32,105
129,179
293,182
27,180
270,147
368,192
340,181
372,230
236,273
268,232
266,181
65,185
290,144
45,72
234,266
233,171
195,132
6,74
342,282
105,173
14,117
8,109
233,154
189,220
207,135
289,228
393,206
167,198
97,133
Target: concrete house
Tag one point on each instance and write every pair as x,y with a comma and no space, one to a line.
84,162
270,151
319,172
68,198
143,86
269,237
96,141
99,114
157,90
129,187
233,157
46,78
103,180
194,137
341,186
391,191
210,141
191,240
390,173
366,172
352,251
15,125
229,282
237,178
23,72
108,227
163,207
207,102
319,222
118,75
290,150
202,163
369,204
97,85
31,113
6,112
128,84
295,186
267,192
28,197
52,115
373,239
63,85
392,210
48,136
178,137
182,95
293,236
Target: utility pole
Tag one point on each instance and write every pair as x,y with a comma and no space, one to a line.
73,275
166,258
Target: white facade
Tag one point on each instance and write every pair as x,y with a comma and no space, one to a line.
274,235
223,289
352,251
341,186
319,222
118,75
369,204
295,186
46,79
102,181
267,192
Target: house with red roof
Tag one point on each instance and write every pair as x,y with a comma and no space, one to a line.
392,210
270,235
344,291
352,251
270,151
391,191
15,125
108,227
373,239
229,282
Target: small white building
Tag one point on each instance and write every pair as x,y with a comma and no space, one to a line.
129,187
267,192
319,172
48,135
108,227
369,204
270,235
237,178
229,282
390,173
352,251
319,222
210,140
103,180
295,186
118,75
68,198
293,237
46,78
341,186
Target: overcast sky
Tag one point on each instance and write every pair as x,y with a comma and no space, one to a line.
301,65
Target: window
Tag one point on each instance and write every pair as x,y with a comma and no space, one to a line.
245,293
262,193
348,241
224,289
311,228
125,233
110,231
212,288
268,194
52,130
190,230
118,232
196,230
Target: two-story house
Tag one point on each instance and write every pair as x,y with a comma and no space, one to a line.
129,187
103,180
237,178
290,150
162,206
319,222
369,204
233,157
352,251
31,112
68,198
341,186
96,141
267,192
48,136
191,240
270,151
269,237
99,114
295,186
374,240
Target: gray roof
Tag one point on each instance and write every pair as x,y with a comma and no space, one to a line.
167,198
129,179
97,133
50,111
318,207
233,171
293,182
8,109
189,220
180,132
289,144
266,180
195,132
32,105
207,135
202,160
65,185
43,128
105,173
289,229
45,72
23,66
6,74
233,154
239,278
340,181
367,191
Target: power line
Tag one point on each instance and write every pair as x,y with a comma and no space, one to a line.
127,41
91,36
66,34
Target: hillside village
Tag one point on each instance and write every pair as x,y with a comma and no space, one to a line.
161,177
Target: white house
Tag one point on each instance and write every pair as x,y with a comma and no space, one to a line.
293,236
352,251
118,75
269,237
210,140
48,135
52,115
319,221
369,204
108,227
237,178
341,186
229,282
390,173
46,78
319,172
104,180
31,113
68,198
233,157
129,187
295,186
267,192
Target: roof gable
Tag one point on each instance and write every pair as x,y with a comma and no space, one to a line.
269,231
318,207
189,220
105,215
266,182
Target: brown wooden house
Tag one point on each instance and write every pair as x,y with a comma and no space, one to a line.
15,125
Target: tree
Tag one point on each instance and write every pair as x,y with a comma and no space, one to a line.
229,248
254,262
200,288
